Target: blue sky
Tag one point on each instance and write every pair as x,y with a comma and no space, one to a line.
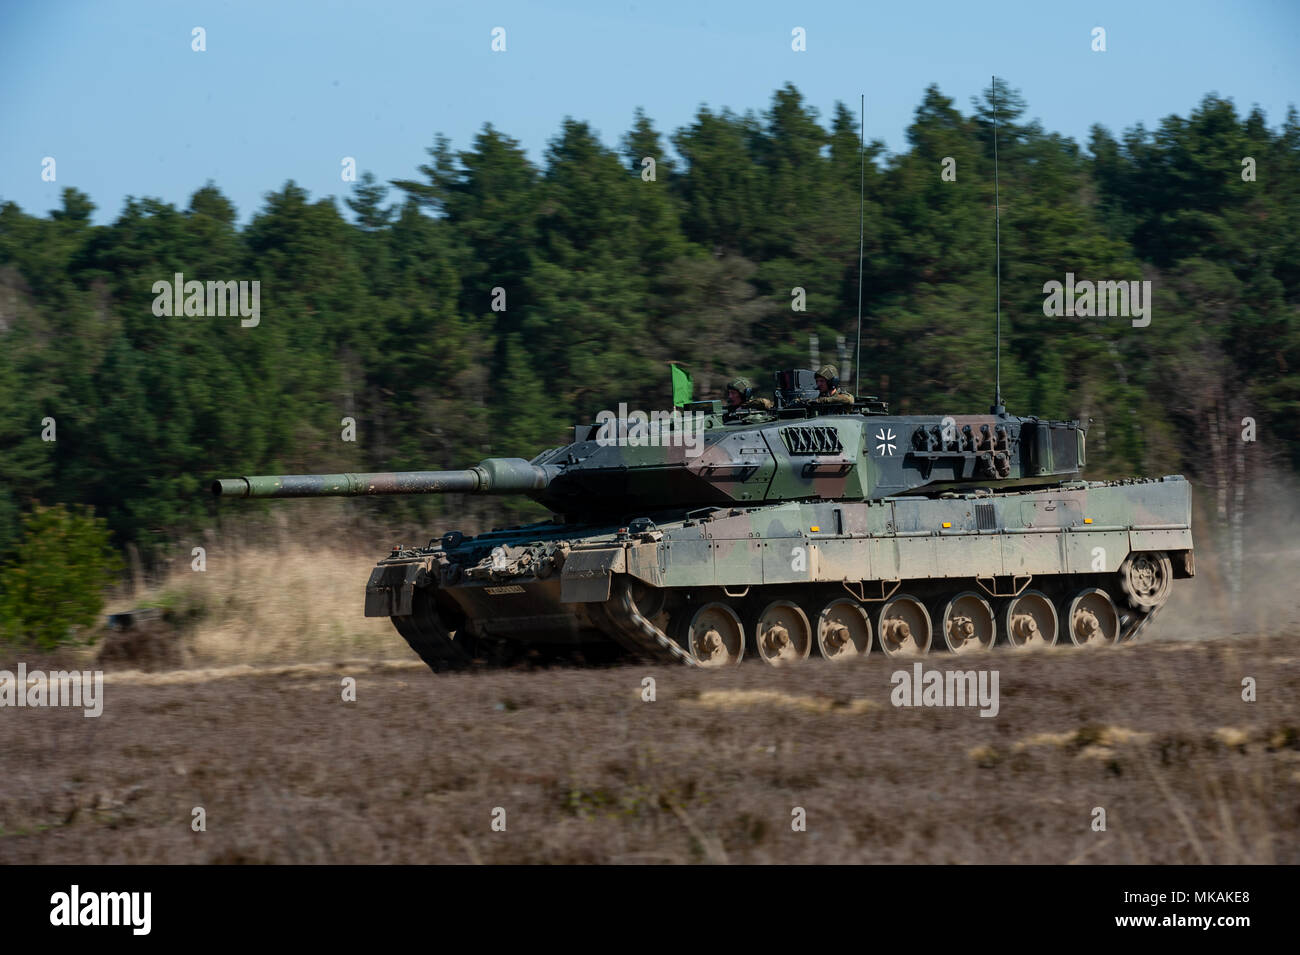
285,90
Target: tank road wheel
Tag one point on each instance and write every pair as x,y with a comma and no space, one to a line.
967,623
782,635
1146,579
904,627
843,630
1092,619
1031,621
715,637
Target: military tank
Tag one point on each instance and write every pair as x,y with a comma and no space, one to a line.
707,535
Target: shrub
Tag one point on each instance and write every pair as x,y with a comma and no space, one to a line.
52,590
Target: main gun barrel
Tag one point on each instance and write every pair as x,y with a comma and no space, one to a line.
492,476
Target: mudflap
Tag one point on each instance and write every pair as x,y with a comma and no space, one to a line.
586,574
391,587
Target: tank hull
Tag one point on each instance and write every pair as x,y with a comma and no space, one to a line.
797,579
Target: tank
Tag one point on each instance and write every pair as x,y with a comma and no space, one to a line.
704,536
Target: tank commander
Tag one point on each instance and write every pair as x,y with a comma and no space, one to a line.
828,383
740,397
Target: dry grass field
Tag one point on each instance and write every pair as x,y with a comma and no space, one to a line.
287,603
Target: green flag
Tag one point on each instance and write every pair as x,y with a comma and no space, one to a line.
682,387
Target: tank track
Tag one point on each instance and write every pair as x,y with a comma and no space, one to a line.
425,634
626,625
1140,620
623,622
620,617
630,628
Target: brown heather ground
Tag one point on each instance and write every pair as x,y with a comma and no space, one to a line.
1157,734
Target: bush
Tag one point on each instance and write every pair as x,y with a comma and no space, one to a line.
53,589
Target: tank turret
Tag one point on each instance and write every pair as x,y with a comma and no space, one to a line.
700,456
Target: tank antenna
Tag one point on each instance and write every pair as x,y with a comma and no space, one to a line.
997,242
862,166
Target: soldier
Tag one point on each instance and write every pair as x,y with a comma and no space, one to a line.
828,383
740,397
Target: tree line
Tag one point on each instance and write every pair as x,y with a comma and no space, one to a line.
485,304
